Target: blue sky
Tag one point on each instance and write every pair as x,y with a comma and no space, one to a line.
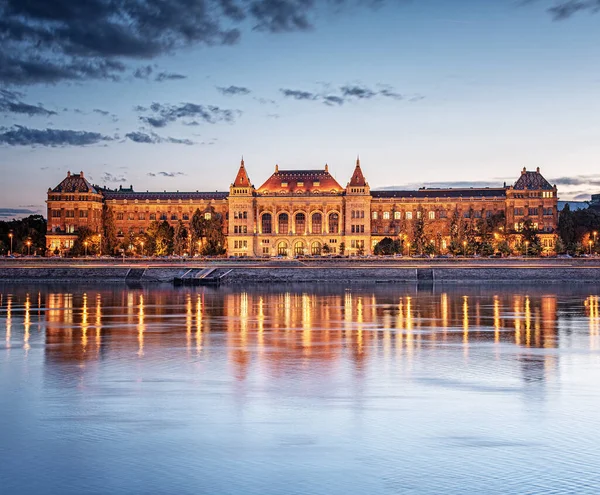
427,92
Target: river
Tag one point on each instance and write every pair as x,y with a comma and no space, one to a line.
299,390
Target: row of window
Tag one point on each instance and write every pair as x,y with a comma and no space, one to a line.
240,244
358,229
533,212
240,229
283,223
157,216
300,183
543,194
240,215
357,214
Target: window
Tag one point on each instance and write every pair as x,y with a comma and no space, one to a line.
419,214
477,214
71,214
443,214
265,241
316,183
533,212
142,216
173,216
152,216
374,215
266,223
334,223
467,214
397,215
55,213
386,215
432,215
548,211
284,223
315,248
317,223
409,215
300,184
163,216
131,216
186,216
266,250
207,215
284,184
300,223
518,212
83,213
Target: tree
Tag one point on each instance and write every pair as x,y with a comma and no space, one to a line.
419,237
197,228
180,239
213,231
385,246
109,231
84,234
531,243
504,247
342,248
566,228
326,249
31,228
160,237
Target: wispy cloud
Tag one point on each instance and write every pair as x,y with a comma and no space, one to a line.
10,102
109,177
233,90
152,138
210,114
25,136
347,93
164,174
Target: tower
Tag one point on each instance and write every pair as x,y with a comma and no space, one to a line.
358,213
240,241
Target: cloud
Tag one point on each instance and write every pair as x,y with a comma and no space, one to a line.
389,93
233,90
25,136
279,16
101,112
10,213
565,9
10,102
164,174
360,92
210,114
108,177
412,186
143,72
168,76
582,197
152,138
298,94
577,180
333,100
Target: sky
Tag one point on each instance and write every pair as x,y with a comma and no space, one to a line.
170,94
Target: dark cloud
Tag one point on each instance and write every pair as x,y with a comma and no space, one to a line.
565,9
143,72
266,101
24,136
298,95
164,174
279,16
333,100
582,197
210,114
152,138
108,177
168,76
233,90
16,212
360,92
10,102
101,112
577,180
390,93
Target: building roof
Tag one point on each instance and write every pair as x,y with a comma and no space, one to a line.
358,179
301,181
75,183
242,179
488,192
532,181
130,195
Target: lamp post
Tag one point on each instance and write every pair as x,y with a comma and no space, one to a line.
465,248
10,235
526,248
408,248
590,242
595,236
99,244
29,247
142,244
85,243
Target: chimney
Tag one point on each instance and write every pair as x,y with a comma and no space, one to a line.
81,173
537,170
523,171
276,168
326,168
69,173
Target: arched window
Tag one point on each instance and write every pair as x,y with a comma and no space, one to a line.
317,223
284,223
315,249
334,223
266,227
299,248
282,248
300,223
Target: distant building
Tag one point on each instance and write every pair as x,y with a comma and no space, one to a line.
307,212
595,202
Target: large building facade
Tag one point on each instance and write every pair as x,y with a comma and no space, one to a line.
307,212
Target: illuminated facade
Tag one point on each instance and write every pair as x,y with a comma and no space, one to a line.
307,212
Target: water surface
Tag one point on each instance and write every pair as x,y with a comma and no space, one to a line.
299,390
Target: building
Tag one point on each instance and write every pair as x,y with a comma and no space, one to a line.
307,212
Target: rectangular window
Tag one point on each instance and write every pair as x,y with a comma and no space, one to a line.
186,216
409,215
533,212
476,214
353,214
386,215
432,215
518,212
83,213
131,216
163,216
548,211
418,214
152,216
374,215
266,250
353,244
397,215
173,216
300,183
55,213
362,229
443,214
284,184
70,214
142,216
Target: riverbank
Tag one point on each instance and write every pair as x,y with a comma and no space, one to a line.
308,271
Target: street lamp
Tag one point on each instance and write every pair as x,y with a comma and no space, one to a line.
10,235
526,248
590,242
29,246
408,248
142,244
85,243
464,248
99,244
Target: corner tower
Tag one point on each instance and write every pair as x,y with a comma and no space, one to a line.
358,213
240,241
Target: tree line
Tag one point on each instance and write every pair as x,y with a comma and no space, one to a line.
28,235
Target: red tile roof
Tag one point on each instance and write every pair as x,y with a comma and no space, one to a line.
75,183
301,181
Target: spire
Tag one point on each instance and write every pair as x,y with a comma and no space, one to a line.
357,160
326,168
276,168
358,179
241,179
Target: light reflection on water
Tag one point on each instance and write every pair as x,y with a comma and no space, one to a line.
300,390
